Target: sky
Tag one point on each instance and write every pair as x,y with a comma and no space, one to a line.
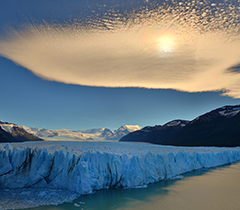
93,64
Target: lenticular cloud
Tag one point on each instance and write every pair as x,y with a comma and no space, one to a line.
187,46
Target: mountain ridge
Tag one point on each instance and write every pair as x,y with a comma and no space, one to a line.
88,134
153,134
219,127
10,132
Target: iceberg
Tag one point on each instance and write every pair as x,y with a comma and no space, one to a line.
84,167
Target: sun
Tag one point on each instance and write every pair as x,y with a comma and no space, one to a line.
166,43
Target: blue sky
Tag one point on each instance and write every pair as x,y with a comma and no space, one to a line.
81,64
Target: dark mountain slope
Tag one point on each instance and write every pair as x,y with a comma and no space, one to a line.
161,133
137,136
155,134
13,133
220,127
6,137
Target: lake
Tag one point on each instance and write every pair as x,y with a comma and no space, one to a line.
217,188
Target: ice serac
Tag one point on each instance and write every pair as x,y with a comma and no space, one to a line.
83,167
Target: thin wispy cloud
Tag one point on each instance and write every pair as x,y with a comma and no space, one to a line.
189,46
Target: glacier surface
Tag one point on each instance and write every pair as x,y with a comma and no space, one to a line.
84,167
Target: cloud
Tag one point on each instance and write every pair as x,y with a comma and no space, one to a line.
171,48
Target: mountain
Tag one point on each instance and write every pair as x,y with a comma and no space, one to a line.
10,132
120,132
89,134
137,136
161,133
155,134
219,127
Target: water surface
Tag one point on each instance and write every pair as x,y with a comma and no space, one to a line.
217,188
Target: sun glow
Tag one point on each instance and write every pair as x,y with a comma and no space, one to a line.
166,43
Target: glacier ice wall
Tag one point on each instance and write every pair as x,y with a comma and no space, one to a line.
83,167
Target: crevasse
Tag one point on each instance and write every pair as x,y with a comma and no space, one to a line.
84,167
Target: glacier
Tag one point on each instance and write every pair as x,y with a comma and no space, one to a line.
84,167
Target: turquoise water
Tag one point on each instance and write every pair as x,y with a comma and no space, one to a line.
217,188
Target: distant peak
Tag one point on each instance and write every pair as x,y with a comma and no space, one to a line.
229,111
130,128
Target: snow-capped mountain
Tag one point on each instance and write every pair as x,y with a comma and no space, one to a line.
10,132
120,132
226,112
219,127
89,134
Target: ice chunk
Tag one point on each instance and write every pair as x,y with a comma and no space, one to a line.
33,197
